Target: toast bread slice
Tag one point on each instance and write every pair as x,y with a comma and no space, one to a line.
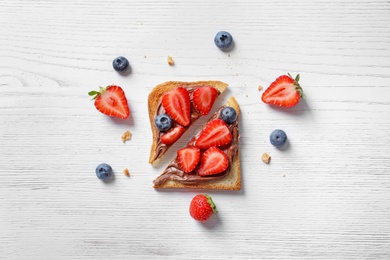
231,180
157,149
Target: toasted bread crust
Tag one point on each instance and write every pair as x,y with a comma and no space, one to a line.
155,98
231,182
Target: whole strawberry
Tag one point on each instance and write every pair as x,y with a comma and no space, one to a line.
111,101
202,207
285,91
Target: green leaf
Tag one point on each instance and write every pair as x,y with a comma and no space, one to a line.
93,93
211,203
297,78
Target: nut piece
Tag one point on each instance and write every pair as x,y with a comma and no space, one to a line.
170,61
126,136
266,158
260,87
126,172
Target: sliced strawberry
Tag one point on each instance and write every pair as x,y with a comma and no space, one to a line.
285,91
177,105
204,98
216,133
111,101
213,161
188,158
172,135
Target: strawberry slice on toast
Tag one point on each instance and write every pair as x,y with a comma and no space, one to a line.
213,161
177,104
216,133
172,135
188,158
204,98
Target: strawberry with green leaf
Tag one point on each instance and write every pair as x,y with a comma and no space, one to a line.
202,207
285,91
111,101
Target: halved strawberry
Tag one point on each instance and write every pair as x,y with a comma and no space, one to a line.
204,98
216,133
213,161
172,135
177,105
188,158
285,91
111,101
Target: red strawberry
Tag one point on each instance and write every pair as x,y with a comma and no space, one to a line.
172,135
204,98
216,133
188,158
111,101
285,91
202,207
177,104
213,161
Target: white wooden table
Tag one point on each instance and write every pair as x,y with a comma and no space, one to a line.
324,197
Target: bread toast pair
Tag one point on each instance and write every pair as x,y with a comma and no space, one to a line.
174,176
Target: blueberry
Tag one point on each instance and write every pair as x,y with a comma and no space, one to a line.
103,171
120,63
223,40
228,114
278,137
163,122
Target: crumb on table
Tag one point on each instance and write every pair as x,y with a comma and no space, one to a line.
260,87
126,136
170,61
126,172
265,158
